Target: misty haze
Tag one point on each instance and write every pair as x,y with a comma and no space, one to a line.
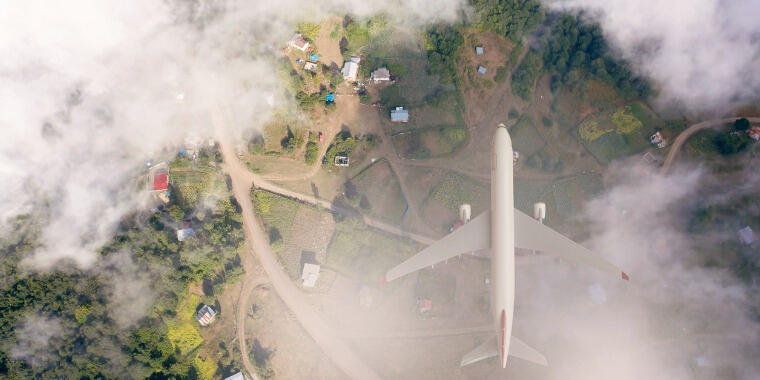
398,189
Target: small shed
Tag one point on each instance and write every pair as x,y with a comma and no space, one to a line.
184,233
205,315
341,160
381,75
309,269
746,235
298,42
754,133
330,98
313,57
310,66
481,70
479,50
424,305
399,115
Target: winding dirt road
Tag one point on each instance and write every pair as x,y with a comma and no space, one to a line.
322,333
693,129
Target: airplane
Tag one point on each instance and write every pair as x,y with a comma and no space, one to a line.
500,230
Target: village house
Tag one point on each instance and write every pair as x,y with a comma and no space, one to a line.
399,115
205,315
481,70
298,42
381,75
746,235
310,66
351,69
754,133
658,140
479,50
309,269
341,160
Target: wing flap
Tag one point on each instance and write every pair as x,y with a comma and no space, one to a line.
474,235
530,234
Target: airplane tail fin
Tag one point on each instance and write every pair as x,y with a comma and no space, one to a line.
517,348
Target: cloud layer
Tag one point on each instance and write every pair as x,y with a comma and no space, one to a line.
92,89
703,54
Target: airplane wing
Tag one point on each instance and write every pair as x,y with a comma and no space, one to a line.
473,236
530,234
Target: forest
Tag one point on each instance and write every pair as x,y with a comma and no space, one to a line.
114,320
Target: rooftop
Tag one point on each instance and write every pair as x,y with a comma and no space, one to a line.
298,42
350,69
399,115
381,74
746,235
205,315
481,70
160,181
237,376
479,50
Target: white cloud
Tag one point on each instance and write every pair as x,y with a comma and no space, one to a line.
702,54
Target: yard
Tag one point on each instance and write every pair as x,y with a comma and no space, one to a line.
618,133
380,189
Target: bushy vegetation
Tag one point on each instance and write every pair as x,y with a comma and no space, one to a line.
524,78
310,30
312,150
93,341
591,131
442,45
625,123
340,145
509,18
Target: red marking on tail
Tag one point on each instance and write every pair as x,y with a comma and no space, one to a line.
625,276
503,337
383,280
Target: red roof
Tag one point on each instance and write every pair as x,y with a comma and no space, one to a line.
161,182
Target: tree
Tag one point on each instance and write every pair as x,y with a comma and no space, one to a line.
312,150
741,124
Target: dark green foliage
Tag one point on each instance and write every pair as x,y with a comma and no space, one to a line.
501,74
574,50
90,344
524,78
342,145
509,18
741,124
312,149
513,114
546,122
443,43
730,143
307,101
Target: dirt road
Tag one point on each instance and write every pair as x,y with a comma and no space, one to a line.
323,334
693,129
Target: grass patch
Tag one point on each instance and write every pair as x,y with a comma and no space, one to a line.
184,336
380,192
438,288
191,185
429,142
525,138
590,130
366,253
456,189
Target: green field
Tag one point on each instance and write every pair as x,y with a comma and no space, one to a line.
193,186
456,189
287,223
365,253
429,142
618,133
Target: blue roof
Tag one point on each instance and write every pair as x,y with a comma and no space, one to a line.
330,97
399,115
313,57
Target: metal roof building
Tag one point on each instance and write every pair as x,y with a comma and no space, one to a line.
399,115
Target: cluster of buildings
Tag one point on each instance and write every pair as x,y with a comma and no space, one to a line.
479,51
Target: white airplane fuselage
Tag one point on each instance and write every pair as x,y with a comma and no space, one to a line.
502,239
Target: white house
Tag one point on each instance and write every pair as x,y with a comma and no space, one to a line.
351,69
205,315
310,275
298,42
381,75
